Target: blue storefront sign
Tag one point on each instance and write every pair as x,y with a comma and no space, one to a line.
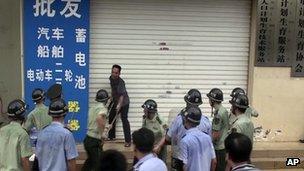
56,50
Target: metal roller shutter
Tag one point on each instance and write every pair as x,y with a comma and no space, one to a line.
166,47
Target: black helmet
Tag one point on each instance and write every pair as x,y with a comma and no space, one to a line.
38,95
193,114
240,101
150,105
54,92
58,108
237,90
102,95
193,97
16,108
215,94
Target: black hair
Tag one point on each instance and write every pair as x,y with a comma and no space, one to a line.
143,140
239,147
117,66
242,110
112,160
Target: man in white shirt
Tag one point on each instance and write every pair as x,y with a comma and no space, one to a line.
143,141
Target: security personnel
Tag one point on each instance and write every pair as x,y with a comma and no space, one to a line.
177,130
250,111
155,123
196,150
38,117
15,147
242,124
96,124
220,125
56,147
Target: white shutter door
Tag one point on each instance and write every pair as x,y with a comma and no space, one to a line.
166,47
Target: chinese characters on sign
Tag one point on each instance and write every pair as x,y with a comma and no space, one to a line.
280,34
284,33
265,29
56,49
298,63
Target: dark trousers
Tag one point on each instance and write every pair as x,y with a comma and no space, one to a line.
221,160
125,123
93,148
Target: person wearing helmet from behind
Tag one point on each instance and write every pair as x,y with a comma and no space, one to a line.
54,92
177,130
96,124
15,147
38,117
242,124
56,147
155,123
220,125
195,149
250,111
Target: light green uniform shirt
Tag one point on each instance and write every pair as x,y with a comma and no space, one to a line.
155,125
244,125
250,111
220,123
14,145
3,120
38,118
93,129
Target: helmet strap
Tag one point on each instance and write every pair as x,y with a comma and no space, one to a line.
212,109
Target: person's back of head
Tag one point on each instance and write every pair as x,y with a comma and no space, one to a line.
239,147
143,140
113,160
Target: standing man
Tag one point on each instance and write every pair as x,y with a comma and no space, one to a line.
196,150
55,92
242,124
56,147
177,130
250,111
93,142
121,104
238,147
220,124
155,123
143,140
38,117
15,147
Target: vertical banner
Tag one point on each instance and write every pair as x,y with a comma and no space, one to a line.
56,50
265,30
297,69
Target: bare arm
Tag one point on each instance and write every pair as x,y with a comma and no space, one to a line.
26,163
213,164
120,100
161,143
216,135
72,165
184,168
101,121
